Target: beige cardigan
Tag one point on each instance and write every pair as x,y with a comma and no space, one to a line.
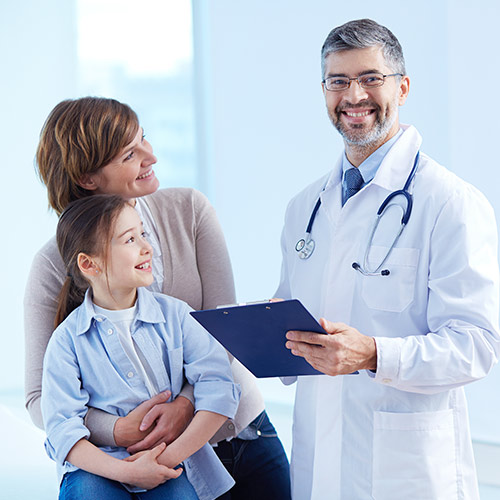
197,270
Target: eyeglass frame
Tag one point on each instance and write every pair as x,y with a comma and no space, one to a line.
357,78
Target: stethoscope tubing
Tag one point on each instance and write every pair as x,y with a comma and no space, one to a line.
305,246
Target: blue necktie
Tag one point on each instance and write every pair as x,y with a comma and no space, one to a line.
353,182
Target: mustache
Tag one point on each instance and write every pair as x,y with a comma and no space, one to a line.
362,104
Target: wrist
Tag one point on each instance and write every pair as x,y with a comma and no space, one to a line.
129,473
185,404
371,361
122,435
169,457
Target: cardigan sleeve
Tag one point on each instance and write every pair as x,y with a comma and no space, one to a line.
40,304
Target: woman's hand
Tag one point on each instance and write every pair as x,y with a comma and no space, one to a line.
126,431
163,423
144,470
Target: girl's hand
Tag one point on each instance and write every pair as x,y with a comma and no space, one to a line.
144,470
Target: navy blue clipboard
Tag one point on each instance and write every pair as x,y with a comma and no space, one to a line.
255,335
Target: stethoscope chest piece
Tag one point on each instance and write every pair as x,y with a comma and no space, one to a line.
305,248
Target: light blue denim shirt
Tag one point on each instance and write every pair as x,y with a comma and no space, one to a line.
369,167
86,365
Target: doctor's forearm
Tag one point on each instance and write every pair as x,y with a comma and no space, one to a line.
436,362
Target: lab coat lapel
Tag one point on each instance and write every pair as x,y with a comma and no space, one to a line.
398,162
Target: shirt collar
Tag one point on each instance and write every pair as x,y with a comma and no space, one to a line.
369,167
395,165
148,311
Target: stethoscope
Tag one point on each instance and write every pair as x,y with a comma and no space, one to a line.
305,246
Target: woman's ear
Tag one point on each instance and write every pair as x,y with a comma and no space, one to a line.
87,265
88,182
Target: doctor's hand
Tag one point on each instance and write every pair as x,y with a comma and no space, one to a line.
344,350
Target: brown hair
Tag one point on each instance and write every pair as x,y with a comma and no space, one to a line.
85,226
79,137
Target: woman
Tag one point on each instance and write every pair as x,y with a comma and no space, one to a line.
95,145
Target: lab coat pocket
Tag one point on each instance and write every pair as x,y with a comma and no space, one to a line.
414,456
394,292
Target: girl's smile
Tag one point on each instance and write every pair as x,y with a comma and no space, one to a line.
127,266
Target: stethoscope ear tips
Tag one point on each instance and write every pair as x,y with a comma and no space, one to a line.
357,267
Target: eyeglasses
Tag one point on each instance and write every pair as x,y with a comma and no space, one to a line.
367,81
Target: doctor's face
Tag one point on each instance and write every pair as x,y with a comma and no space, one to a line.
364,116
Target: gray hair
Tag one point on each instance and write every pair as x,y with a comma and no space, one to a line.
361,34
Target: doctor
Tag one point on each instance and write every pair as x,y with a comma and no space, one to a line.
412,307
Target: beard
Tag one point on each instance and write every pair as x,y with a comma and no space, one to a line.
359,134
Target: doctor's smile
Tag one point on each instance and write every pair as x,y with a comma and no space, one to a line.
358,115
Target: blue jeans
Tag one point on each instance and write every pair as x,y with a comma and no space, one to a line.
81,485
258,465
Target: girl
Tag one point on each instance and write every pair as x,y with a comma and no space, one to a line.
121,346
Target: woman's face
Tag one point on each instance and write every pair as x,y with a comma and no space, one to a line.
130,174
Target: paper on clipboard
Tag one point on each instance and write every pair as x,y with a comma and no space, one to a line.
255,335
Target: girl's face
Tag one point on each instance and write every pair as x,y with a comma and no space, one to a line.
128,264
130,174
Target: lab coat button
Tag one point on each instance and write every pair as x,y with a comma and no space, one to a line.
386,380
130,374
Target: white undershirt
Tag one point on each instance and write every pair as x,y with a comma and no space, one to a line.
122,320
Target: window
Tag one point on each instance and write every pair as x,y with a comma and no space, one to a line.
141,54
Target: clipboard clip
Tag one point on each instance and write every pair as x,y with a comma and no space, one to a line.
255,302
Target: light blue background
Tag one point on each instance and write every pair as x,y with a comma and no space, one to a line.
262,134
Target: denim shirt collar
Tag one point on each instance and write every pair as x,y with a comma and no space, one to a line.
148,311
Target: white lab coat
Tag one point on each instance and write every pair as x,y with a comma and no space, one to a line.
402,433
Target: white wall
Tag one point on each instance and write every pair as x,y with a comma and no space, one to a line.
269,133
473,49
34,77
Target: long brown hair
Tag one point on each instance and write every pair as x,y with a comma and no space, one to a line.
78,138
85,226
